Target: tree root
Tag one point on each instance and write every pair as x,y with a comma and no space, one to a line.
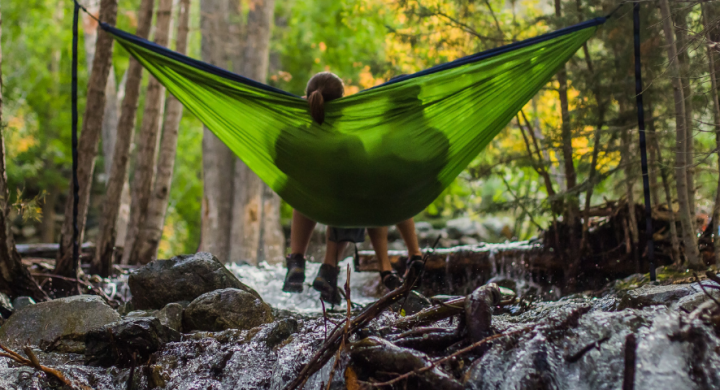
32,361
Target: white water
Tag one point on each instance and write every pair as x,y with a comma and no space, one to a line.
267,280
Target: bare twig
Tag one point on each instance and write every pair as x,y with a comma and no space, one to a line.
94,289
579,354
32,361
446,358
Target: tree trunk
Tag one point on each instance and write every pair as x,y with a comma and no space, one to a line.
256,208
103,260
684,62
110,119
146,145
151,232
217,157
15,280
665,176
629,181
48,215
688,233
716,117
88,143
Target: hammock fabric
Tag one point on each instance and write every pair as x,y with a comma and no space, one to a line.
382,155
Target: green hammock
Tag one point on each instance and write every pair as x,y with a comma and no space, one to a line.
382,155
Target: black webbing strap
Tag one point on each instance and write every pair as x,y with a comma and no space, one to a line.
76,185
643,151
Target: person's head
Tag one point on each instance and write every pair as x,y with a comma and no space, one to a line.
323,87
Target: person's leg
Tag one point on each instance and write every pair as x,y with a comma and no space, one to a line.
326,280
379,240
300,232
407,232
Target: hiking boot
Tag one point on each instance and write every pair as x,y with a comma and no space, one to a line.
295,273
326,283
415,265
390,279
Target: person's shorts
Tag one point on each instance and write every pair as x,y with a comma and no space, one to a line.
355,235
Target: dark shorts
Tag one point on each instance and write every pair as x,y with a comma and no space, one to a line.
355,235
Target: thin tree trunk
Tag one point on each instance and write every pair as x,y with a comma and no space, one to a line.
151,233
217,157
88,142
629,181
15,279
110,119
684,61
665,176
653,171
146,145
716,117
256,208
103,260
570,202
688,233
593,169
48,214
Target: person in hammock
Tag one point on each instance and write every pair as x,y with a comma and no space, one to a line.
322,87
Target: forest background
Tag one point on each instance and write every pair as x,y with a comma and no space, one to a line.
573,147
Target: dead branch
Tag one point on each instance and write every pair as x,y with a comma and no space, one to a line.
579,354
705,291
454,355
432,314
347,325
94,289
32,361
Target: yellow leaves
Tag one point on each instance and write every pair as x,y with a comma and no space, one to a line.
29,209
19,137
351,89
281,75
367,80
322,46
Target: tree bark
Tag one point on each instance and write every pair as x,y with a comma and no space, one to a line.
684,62
146,145
88,143
689,239
103,260
629,181
256,234
217,157
716,117
110,119
151,232
665,176
15,280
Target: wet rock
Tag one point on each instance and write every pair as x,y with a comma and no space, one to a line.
182,278
374,354
478,310
228,308
465,227
48,321
650,295
170,315
415,302
114,344
22,302
6,307
279,332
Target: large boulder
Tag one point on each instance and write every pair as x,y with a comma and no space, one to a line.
182,278
46,322
115,344
230,308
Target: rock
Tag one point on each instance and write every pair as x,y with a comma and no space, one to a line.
170,315
6,307
650,295
22,302
49,321
422,226
465,227
415,302
182,278
229,308
114,344
280,331
374,354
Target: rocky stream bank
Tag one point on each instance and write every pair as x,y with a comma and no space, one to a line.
194,324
